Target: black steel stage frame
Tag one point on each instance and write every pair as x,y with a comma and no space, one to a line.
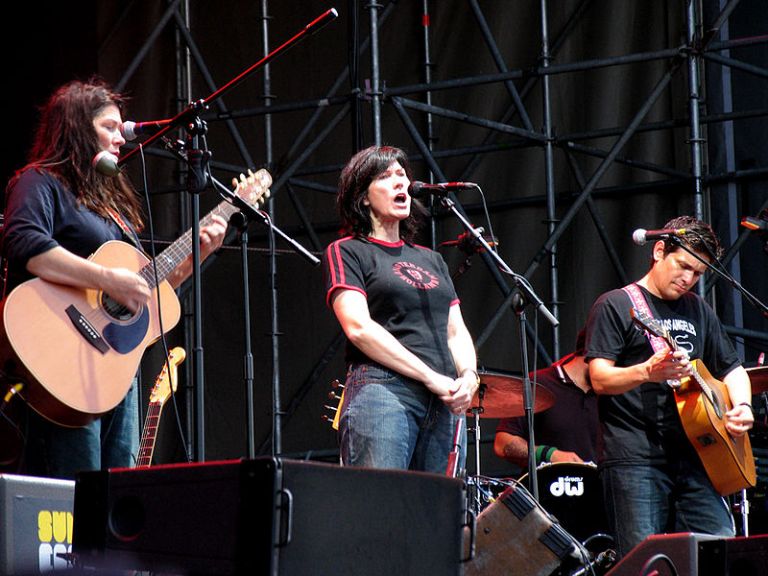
703,44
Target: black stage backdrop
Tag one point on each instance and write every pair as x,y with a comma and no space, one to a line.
127,44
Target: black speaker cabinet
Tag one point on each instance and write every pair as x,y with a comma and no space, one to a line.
269,516
517,537
694,554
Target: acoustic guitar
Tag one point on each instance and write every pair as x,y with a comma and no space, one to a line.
77,350
165,385
702,402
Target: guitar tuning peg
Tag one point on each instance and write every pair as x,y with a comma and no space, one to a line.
331,408
235,183
337,384
333,396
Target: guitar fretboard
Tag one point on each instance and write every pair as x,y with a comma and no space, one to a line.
176,253
149,434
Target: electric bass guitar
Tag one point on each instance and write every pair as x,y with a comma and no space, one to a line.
702,402
165,385
77,350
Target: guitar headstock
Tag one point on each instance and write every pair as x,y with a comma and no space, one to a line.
651,325
167,378
253,188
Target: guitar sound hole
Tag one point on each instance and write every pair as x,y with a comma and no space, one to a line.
115,309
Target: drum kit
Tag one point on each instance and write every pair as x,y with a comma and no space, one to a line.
570,492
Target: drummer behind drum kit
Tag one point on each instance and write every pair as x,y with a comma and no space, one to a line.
564,533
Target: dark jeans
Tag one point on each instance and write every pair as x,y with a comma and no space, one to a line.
389,421
641,500
111,441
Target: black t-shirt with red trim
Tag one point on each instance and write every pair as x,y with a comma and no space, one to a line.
408,289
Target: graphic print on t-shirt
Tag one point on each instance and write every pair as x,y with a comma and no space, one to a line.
415,276
683,332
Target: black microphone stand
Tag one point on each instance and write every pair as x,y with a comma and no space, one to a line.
249,212
240,221
197,182
526,295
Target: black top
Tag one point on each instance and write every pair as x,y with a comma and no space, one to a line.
409,292
41,214
570,424
642,425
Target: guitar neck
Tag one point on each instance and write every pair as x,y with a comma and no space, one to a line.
176,253
705,388
149,435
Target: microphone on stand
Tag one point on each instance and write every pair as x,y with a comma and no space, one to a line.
469,244
441,189
131,130
106,163
641,235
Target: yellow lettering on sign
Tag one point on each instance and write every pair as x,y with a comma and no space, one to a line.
44,526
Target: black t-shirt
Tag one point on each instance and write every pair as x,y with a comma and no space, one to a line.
642,425
409,292
40,214
570,424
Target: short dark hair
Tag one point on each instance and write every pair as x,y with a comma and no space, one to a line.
698,236
355,178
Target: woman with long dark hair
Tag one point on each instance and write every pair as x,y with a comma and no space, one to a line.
59,211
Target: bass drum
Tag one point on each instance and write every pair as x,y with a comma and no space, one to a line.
573,495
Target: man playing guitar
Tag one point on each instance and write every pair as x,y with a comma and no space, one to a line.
653,479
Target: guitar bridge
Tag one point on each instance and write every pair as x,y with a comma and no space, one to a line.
87,330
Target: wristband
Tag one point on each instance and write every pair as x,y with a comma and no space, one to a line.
477,376
544,453
748,405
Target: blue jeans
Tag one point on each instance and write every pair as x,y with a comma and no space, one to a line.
389,421
641,500
111,441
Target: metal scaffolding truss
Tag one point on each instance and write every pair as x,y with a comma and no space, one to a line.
353,95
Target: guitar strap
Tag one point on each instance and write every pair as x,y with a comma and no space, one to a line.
128,231
641,304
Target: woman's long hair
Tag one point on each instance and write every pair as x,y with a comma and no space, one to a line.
66,142
355,178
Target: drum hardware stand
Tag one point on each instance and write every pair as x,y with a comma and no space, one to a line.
743,507
474,487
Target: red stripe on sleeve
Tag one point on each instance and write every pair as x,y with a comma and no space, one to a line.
339,263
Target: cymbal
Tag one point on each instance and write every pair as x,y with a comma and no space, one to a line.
503,396
759,378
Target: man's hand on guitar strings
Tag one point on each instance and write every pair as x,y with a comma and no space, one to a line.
668,365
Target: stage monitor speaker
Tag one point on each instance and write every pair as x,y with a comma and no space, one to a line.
269,516
515,536
35,524
693,554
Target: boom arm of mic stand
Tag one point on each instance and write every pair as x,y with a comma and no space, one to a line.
520,281
751,298
195,108
253,213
